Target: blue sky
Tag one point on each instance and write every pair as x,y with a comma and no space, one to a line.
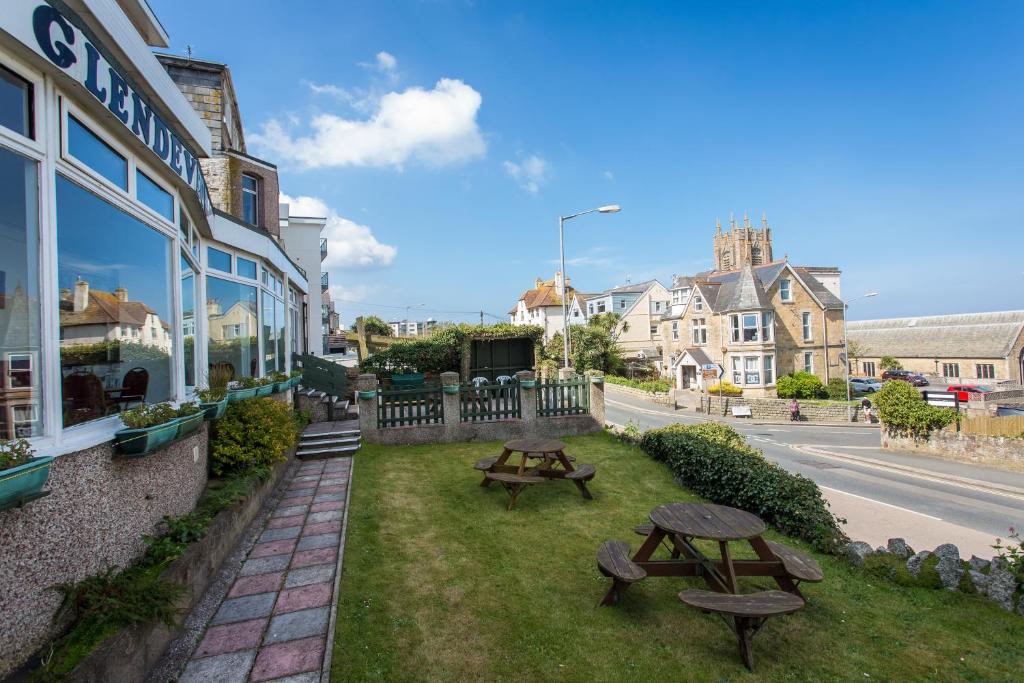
446,137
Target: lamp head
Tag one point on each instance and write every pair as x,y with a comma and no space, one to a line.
611,208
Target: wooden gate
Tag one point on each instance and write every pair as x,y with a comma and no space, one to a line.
322,375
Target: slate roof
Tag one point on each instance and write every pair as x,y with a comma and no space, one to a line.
699,355
734,290
821,293
680,281
966,335
105,308
637,288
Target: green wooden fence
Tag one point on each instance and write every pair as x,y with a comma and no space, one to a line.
402,407
322,375
490,402
565,397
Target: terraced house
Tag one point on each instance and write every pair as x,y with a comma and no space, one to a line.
757,321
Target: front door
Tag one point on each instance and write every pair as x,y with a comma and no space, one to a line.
689,376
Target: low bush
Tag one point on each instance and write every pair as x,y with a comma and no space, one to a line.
256,432
836,389
652,385
148,415
801,385
715,462
904,412
724,389
14,453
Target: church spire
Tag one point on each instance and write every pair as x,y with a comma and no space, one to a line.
718,226
764,219
746,220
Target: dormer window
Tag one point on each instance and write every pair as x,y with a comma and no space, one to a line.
785,290
698,303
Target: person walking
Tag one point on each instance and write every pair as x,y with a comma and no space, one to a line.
865,406
794,410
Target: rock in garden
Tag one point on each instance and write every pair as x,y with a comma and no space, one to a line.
856,551
915,562
1020,606
1001,585
882,550
898,546
977,563
948,550
950,571
978,580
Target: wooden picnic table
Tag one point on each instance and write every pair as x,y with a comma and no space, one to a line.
677,526
554,464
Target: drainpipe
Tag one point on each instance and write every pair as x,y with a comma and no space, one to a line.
824,336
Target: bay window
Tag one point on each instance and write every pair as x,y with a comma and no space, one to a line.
16,98
751,370
231,313
750,327
769,370
737,374
767,325
188,319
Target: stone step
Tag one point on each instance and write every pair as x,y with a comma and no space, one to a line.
330,441
335,434
326,452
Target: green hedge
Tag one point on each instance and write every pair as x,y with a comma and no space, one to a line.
715,462
801,385
256,432
903,411
653,385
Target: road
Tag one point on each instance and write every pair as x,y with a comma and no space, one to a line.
882,494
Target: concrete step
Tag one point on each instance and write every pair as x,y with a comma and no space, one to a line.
320,453
332,441
335,434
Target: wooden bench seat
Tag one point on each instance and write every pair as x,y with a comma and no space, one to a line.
748,611
585,472
613,561
551,456
799,565
485,464
514,484
643,529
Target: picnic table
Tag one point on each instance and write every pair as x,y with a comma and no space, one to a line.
676,527
540,460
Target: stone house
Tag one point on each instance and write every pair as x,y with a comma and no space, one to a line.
638,332
542,305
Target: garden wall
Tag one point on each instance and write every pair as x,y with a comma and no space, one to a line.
991,451
655,397
777,409
94,518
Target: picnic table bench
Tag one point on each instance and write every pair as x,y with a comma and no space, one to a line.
676,527
553,463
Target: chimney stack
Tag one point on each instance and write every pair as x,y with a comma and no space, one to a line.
121,293
81,295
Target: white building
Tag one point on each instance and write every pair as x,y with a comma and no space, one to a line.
305,246
542,306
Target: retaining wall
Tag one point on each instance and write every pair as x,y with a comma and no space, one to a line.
1001,452
777,409
654,397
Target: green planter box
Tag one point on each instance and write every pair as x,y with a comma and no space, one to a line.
451,388
264,390
24,482
189,425
135,443
282,386
413,379
215,410
296,381
240,394
366,394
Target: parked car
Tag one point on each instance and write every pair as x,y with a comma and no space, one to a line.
865,385
1002,411
964,391
912,378
917,380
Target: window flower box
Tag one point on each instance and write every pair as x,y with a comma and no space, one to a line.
451,388
189,425
264,390
214,409
407,380
23,483
235,395
135,443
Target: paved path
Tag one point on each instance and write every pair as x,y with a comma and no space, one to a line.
275,624
882,493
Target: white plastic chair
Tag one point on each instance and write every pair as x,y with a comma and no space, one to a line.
503,379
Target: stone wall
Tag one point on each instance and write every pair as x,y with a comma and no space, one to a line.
94,518
991,451
777,409
655,397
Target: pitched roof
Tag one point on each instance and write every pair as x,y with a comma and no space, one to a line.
966,335
632,288
737,291
105,308
680,281
543,295
818,290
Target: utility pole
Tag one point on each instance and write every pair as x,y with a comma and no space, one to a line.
481,317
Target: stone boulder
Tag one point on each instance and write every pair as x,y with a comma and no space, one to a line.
898,546
978,564
915,562
856,551
1001,586
978,580
950,571
948,550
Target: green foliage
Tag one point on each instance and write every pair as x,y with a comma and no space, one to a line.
186,409
904,412
1012,553
836,389
890,363
591,346
257,432
148,415
654,385
724,388
109,352
14,453
374,325
800,385
714,461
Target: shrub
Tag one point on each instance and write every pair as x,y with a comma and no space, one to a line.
890,363
256,432
14,453
904,412
725,389
837,389
148,415
801,385
653,385
714,461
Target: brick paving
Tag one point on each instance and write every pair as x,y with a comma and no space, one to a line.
273,625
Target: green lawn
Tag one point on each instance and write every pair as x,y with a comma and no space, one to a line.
441,583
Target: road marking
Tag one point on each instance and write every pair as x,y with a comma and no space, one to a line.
878,502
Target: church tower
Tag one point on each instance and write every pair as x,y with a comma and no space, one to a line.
742,244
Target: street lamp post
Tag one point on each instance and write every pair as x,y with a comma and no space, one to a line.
846,352
611,208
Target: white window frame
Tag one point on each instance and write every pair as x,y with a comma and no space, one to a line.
869,368
767,326
985,370
698,303
256,197
808,365
699,331
768,369
786,290
675,329
806,326
744,327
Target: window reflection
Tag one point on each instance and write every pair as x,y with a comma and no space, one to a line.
20,396
114,276
15,103
85,146
188,319
280,323
246,268
218,260
154,196
270,354
231,319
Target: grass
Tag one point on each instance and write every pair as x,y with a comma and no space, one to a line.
441,583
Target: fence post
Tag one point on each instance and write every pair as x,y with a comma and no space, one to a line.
368,406
452,409
596,380
565,373
528,397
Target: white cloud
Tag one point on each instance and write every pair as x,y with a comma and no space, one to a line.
350,294
436,127
608,175
530,173
349,244
386,62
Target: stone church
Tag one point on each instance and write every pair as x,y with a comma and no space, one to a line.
742,244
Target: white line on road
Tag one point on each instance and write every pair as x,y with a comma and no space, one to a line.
878,502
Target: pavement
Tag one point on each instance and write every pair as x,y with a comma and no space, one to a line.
276,622
882,493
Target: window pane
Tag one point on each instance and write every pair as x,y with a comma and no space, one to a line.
15,103
19,295
154,196
188,319
96,154
269,337
218,260
246,268
279,321
250,199
115,307
231,317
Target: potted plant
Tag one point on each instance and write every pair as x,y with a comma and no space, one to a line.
190,416
296,377
147,429
265,386
22,475
281,382
214,399
406,378
243,388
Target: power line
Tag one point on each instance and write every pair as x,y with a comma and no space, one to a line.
367,304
